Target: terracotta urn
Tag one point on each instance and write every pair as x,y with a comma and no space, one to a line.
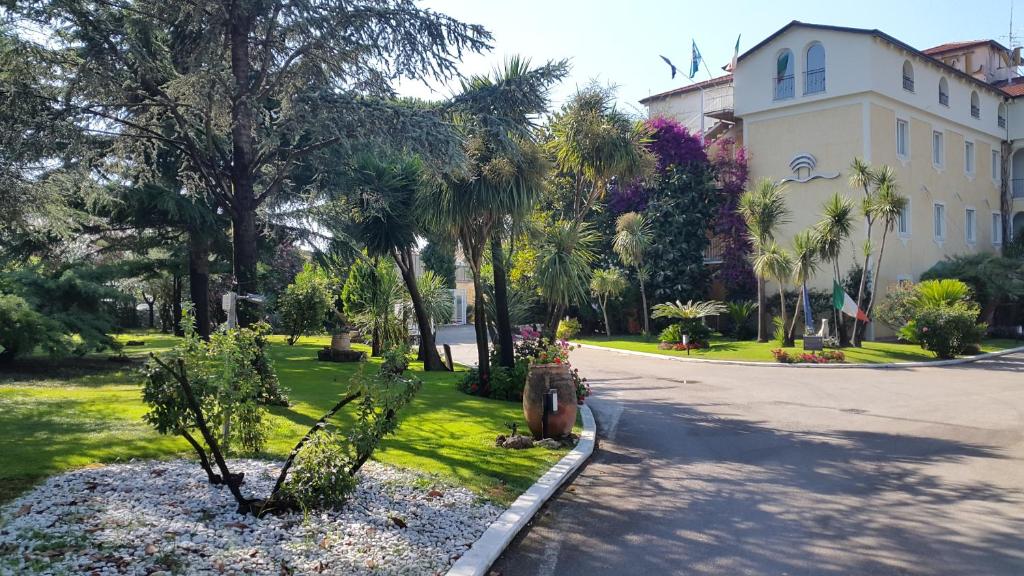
539,379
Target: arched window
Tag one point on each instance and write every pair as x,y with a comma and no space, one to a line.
908,76
943,91
1001,118
784,75
814,73
975,105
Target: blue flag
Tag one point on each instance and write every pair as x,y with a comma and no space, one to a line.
808,321
694,60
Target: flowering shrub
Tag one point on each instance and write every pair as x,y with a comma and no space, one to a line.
680,346
823,357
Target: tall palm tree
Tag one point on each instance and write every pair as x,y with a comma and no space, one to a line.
888,205
564,257
832,232
633,237
806,258
871,181
775,263
505,173
387,222
607,284
763,207
593,142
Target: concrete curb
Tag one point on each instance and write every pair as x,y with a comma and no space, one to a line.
478,559
952,362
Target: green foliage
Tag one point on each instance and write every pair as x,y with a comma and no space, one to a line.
898,307
694,329
23,330
568,329
305,303
943,318
672,333
230,376
684,201
439,258
993,279
370,296
319,478
739,315
690,310
564,257
437,298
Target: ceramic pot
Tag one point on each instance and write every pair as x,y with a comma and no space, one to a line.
341,341
539,379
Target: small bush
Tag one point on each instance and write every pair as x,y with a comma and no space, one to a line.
946,330
568,329
22,330
319,477
898,307
305,303
697,333
823,357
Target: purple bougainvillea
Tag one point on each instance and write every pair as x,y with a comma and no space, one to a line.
731,167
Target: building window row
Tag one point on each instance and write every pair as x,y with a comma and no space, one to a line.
939,224
784,83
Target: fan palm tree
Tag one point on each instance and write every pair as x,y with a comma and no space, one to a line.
832,233
763,208
607,284
775,263
387,222
564,257
888,205
806,258
633,238
593,142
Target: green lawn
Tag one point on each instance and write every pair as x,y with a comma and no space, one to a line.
54,418
748,350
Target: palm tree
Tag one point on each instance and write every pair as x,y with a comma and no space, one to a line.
564,257
805,263
592,142
888,205
832,232
505,173
387,222
773,262
871,182
607,284
763,207
633,237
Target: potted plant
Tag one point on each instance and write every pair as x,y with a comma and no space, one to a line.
550,370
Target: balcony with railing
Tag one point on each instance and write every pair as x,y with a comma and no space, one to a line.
1017,187
718,104
1001,121
975,112
814,81
943,98
714,251
908,83
784,87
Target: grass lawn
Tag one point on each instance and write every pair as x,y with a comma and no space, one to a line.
59,415
749,350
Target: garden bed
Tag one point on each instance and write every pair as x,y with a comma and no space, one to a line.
751,351
150,517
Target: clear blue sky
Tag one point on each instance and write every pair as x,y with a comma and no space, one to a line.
619,42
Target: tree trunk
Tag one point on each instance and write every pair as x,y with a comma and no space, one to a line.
151,305
797,306
762,312
243,155
199,281
506,354
604,312
860,289
844,339
480,324
176,304
859,335
786,342
643,303
431,359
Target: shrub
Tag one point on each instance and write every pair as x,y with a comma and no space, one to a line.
22,330
697,333
739,315
305,303
942,318
319,478
823,357
568,329
898,307
671,334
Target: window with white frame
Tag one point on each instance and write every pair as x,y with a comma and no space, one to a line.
939,221
970,225
997,165
903,221
943,92
938,148
997,228
969,157
902,138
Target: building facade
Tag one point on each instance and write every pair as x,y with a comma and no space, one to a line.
809,99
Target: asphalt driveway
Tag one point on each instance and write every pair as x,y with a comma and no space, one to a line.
711,469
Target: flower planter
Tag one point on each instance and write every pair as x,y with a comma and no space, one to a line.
342,341
539,379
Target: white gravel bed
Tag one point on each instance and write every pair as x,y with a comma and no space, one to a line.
161,518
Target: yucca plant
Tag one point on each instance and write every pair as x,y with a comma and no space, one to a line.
739,312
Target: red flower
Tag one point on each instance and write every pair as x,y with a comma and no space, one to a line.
558,360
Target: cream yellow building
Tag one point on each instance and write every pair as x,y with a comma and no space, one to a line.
810,98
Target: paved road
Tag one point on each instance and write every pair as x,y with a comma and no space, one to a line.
726,470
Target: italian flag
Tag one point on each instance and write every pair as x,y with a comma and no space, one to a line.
842,301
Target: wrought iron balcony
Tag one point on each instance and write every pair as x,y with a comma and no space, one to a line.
814,81
943,98
1001,121
784,87
908,83
714,250
975,112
